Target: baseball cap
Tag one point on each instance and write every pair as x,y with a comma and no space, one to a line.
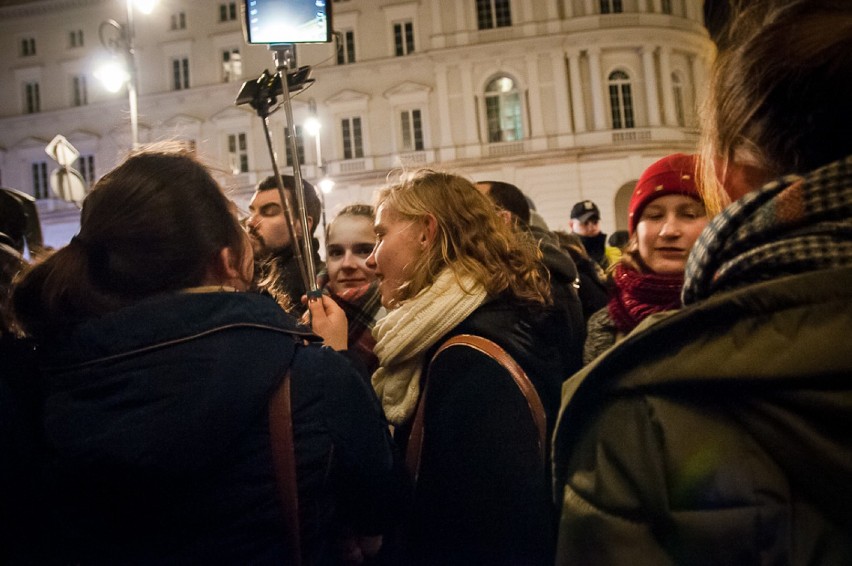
585,210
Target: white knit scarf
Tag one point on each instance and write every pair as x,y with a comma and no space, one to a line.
406,333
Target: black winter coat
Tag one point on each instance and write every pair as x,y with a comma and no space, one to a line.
157,426
483,491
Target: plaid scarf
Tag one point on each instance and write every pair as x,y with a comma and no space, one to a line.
637,295
361,305
791,225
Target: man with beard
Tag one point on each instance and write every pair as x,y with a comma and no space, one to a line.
277,269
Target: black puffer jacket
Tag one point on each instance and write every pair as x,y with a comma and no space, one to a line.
157,424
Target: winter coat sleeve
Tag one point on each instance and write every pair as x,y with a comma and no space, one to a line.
363,472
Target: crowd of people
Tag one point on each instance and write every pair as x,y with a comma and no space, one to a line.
467,387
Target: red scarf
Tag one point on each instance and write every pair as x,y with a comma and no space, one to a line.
637,295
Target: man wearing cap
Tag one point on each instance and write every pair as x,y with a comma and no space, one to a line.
276,265
586,223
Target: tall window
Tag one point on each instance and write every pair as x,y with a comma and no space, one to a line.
40,186
232,64
503,110
353,144
75,38
493,14
32,98
238,153
611,7
28,47
180,73
677,94
300,146
620,100
403,38
667,6
412,130
227,11
79,90
346,47
86,167
178,21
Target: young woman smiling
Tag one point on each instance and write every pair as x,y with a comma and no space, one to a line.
666,217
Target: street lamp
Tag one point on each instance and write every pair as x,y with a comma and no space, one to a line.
118,39
313,126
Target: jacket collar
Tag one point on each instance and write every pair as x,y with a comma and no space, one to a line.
165,319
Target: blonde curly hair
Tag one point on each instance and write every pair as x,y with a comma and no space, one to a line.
471,239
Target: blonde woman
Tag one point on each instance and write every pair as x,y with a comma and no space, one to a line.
447,265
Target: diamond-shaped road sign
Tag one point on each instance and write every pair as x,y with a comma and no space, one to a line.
67,183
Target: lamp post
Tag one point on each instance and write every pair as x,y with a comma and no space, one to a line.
313,126
121,41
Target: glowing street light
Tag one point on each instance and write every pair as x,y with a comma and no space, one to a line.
326,185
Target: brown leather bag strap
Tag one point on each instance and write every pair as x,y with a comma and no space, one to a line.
498,354
284,463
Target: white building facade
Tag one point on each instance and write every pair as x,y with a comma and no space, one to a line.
567,99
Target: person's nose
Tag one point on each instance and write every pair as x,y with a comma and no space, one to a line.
371,259
253,222
671,228
348,260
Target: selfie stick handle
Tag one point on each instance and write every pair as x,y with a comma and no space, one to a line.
283,55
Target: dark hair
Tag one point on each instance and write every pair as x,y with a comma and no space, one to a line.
152,225
618,239
509,197
779,95
313,207
11,263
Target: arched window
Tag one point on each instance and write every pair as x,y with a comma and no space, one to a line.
620,100
503,110
611,7
677,94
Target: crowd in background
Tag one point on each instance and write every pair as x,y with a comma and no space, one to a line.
459,384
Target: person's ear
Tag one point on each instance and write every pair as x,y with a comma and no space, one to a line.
227,269
506,216
429,231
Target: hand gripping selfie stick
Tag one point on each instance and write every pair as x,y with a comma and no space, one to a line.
262,95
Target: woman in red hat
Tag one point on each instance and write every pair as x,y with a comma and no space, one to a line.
666,217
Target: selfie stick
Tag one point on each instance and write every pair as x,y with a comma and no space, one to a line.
283,55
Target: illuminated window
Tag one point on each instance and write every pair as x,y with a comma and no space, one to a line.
346,47
412,130
620,100
238,153
353,143
503,110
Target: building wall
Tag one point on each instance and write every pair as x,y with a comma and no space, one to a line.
560,54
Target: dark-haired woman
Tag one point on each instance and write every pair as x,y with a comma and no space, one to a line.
158,373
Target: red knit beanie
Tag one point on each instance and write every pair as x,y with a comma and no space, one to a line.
671,175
